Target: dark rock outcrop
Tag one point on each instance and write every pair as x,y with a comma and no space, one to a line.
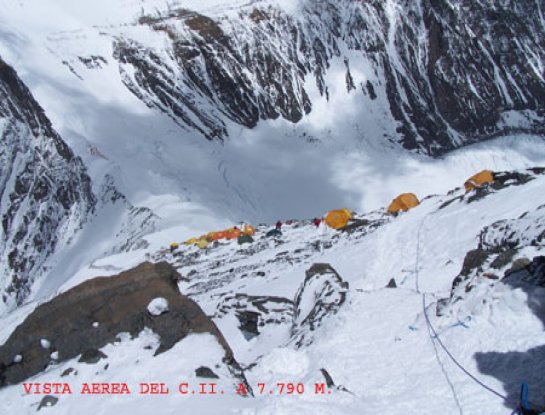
528,229
533,274
321,295
503,258
248,323
90,315
501,241
91,356
517,265
474,259
205,372
391,283
48,401
501,181
449,72
254,312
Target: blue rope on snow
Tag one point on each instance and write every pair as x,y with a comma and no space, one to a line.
435,336
524,395
523,400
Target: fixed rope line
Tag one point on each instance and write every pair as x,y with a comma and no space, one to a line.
439,341
441,365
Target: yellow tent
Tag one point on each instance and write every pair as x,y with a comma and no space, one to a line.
202,243
174,245
248,230
191,241
337,219
404,202
486,176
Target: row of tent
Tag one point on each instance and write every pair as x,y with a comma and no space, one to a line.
335,219
338,219
406,201
242,236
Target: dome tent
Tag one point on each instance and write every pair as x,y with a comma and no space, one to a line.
483,177
202,243
248,230
338,219
403,202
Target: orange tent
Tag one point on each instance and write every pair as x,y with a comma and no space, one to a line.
232,233
215,236
404,202
337,219
485,176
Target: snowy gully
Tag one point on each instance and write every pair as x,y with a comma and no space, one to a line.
184,388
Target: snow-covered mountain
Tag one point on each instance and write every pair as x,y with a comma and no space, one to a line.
332,86
45,191
48,208
444,73
437,74
441,74
131,124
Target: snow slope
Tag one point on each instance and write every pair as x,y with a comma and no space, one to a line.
377,349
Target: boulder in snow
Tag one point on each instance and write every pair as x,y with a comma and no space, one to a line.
531,275
256,311
48,401
391,283
119,304
321,295
92,356
205,372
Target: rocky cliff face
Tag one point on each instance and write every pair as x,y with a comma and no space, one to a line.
450,71
45,192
